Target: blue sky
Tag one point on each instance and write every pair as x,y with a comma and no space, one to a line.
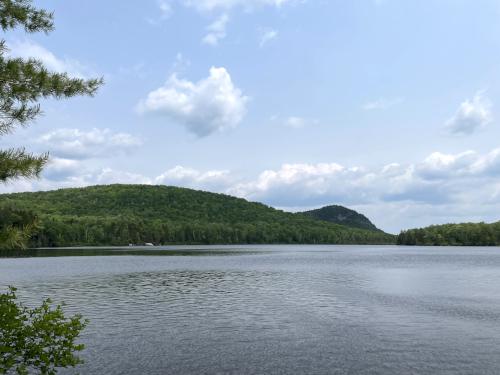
385,106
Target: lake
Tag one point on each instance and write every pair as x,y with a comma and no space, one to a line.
274,309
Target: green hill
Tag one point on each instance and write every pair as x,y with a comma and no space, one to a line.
465,234
122,214
343,216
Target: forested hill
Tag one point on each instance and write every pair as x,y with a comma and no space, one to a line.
123,214
342,215
466,234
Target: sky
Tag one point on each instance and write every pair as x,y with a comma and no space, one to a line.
388,107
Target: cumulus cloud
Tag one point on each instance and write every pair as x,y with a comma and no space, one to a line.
59,169
438,179
61,173
29,49
81,144
204,107
439,166
440,188
216,30
472,115
296,184
111,176
214,180
488,164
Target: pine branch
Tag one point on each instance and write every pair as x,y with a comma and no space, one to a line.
25,82
17,163
15,13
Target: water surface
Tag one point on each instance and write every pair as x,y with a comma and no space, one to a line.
274,309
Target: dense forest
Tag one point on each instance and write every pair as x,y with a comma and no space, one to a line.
467,234
342,215
123,214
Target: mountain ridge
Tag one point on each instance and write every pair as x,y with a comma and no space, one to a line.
120,214
343,216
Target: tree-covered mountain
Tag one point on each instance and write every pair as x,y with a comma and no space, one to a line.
123,214
343,216
465,234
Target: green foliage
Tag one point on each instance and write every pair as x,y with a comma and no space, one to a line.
23,82
342,215
37,340
16,163
15,13
123,214
16,227
466,234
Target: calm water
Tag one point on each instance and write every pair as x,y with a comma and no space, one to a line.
275,309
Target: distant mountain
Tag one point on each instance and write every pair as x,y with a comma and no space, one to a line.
465,234
123,214
343,216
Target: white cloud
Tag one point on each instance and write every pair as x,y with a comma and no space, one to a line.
381,103
308,185
442,166
290,180
488,164
216,31
215,180
440,188
80,144
62,173
266,35
438,179
204,107
59,169
472,115
111,176
210,5
29,49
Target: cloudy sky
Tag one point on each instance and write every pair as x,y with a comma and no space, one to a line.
385,106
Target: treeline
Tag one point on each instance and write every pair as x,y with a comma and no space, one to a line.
123,214
73,231
467,234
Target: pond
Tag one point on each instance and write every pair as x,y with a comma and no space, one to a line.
274,309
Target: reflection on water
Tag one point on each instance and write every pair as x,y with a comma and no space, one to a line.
278,309
115,251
